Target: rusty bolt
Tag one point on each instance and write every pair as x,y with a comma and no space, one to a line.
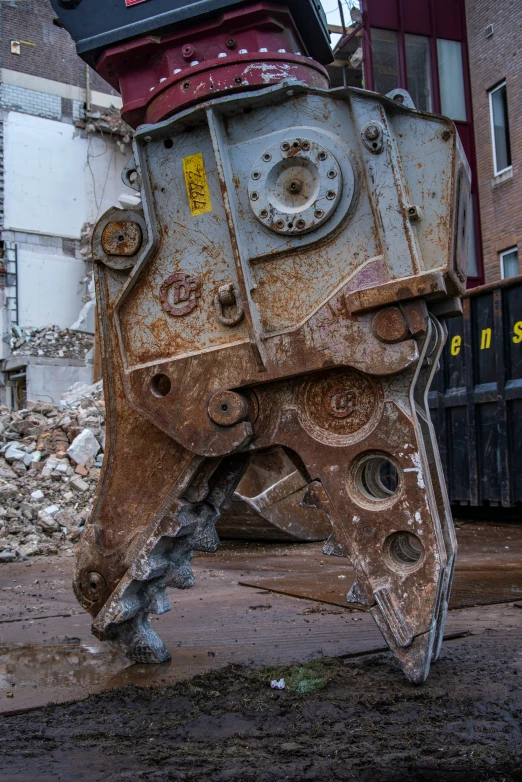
331,195
256,175
92,586
368,531
295,186
446,135
389,325
231,43
305,145
267,157
254,196
121,238
372,132
227,408
300,224
280,224
318,214
332,174
322,155
263,214
285,146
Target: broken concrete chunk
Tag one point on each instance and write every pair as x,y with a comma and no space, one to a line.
84,447
8,490
78,484
14,455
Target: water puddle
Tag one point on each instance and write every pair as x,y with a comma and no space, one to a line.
32,675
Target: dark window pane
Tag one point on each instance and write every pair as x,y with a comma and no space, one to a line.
472,247
499,116
418,70
385,60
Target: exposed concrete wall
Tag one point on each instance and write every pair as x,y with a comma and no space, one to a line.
44,163
48,382
49,289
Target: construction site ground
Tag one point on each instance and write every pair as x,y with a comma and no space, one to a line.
74,709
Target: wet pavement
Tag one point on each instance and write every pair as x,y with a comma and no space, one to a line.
47,652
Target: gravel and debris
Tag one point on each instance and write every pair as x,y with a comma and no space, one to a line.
50,461
51,342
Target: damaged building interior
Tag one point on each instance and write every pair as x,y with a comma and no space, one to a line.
261,388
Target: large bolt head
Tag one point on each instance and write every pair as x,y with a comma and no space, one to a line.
121,238
389,325
372,132
227,408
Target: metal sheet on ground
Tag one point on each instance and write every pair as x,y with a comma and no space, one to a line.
470,587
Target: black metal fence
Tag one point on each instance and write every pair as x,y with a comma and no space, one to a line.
476,398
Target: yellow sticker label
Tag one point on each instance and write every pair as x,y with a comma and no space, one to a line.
197,184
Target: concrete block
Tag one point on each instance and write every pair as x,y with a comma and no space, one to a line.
84,447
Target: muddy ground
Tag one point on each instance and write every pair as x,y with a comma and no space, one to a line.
355,718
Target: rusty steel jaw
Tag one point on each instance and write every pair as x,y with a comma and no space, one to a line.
275,290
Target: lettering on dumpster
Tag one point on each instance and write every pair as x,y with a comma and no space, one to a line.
180,294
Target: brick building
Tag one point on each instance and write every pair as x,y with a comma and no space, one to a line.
495,60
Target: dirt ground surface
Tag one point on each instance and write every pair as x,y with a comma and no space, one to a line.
356,718
347,711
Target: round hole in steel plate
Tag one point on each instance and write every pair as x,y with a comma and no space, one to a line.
403,551
376,477
160,385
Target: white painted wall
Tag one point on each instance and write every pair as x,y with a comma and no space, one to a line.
44,172
55,181
49,291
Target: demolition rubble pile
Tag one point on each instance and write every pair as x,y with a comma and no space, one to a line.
50,460
51,342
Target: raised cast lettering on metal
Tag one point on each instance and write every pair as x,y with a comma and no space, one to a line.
341,403
180,293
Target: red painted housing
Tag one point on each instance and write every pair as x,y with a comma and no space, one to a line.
242,49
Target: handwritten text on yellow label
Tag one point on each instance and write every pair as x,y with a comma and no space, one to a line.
197,184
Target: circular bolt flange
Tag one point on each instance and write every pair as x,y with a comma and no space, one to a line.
121,238
92,586
227,408
389,325
293,191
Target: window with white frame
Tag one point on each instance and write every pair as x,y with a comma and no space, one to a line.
509,263
498,110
